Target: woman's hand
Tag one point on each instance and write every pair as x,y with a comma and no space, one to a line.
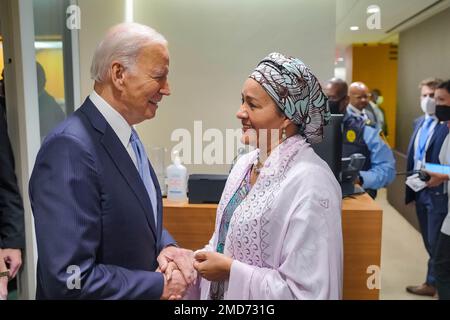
213,266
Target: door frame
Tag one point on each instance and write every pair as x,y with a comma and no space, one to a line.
17,26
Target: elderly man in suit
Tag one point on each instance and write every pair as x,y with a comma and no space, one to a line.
95,197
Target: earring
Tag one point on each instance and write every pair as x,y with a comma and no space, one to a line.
283,134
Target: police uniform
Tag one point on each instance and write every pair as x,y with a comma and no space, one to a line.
363,136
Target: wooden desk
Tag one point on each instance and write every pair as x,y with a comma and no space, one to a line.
193,224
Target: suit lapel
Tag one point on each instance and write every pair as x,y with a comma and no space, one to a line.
122,160
436,132
416,130
126,167
158,200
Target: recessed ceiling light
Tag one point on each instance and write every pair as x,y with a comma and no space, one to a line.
354,28
48,45
373,9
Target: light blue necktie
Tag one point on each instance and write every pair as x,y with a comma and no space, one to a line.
144,170
423,138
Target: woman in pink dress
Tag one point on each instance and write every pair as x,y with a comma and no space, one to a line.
278,231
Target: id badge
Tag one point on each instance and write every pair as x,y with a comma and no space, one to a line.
419,165
415,183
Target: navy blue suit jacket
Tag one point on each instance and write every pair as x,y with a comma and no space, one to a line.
92,212
12,233
432,154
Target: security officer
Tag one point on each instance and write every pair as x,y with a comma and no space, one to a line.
362,136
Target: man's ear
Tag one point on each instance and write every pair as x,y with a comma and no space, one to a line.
117,75
345,102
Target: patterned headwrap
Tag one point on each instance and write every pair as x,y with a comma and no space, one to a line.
296,91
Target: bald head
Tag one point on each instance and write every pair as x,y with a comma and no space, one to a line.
359,95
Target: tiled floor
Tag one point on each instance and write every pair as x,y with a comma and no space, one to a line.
403,256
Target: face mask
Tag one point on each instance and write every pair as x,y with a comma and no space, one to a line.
379,100
443,112
428,105
334,106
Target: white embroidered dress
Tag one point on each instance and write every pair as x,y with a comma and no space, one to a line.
286,236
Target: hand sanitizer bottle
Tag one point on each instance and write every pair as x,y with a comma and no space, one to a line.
176,180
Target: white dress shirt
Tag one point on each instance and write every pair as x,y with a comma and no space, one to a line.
123,131
418,163
357,112
116,121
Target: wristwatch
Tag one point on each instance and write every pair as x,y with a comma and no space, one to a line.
4,274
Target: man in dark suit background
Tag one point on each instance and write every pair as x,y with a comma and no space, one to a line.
431,202
12,238
50,113
95,198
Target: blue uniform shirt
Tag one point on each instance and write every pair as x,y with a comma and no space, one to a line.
382,170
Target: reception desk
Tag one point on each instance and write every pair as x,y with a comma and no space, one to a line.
193,224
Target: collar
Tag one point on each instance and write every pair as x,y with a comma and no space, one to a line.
352,109
114,118
430,116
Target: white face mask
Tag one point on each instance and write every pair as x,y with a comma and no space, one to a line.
428,105
380,100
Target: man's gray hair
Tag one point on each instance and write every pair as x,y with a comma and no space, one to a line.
433,83
122,43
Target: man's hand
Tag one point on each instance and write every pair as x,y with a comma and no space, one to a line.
213,266
4,279
183,260
175,288
436,179
13,258
170,267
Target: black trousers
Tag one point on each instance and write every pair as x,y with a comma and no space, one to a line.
442,266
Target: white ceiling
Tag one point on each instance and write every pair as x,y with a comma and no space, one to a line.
353,13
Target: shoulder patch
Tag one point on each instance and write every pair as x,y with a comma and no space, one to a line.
351,136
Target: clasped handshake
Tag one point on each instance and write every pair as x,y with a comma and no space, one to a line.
183,268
